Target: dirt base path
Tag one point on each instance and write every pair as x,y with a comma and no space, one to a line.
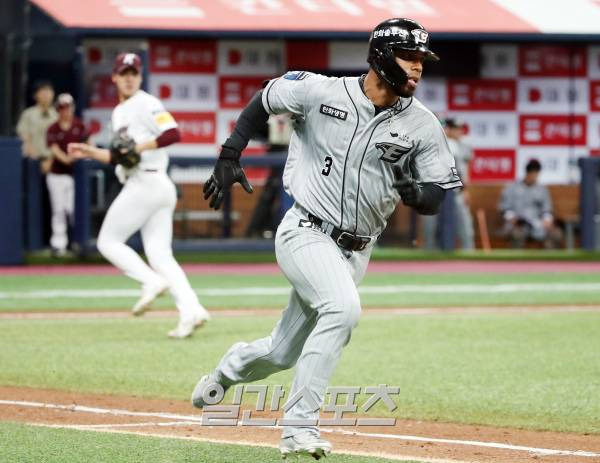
424,441
75,314
443,266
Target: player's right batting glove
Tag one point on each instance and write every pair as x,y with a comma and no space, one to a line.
410,191
227,171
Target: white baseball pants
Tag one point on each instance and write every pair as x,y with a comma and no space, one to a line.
146,203
323,309
61,189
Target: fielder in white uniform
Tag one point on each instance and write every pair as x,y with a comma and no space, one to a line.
147,200
361,144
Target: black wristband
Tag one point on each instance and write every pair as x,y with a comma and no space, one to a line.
228,152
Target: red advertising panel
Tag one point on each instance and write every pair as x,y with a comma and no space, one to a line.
183,56
307,55
482,95
492,165
595,95
197,127
553,130
236,92
552,61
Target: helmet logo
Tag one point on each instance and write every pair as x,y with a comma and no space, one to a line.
129,59
391,32
420,35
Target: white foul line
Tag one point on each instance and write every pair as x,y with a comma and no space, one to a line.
132,425
190,419
501,288
496,445
102,411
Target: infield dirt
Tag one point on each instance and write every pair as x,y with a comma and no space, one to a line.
110,413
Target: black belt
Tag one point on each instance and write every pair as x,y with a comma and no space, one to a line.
345,240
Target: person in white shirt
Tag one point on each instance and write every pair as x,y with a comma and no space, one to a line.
147,200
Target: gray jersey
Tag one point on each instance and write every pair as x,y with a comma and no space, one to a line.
528,202
342,156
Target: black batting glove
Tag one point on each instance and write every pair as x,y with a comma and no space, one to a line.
227,171
410,191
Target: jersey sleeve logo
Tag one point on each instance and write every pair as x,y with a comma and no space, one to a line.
163,118
333,112
391,152
295,75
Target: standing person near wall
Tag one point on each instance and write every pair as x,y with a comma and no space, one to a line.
143,128
463,153
463,220
34,122
266,214
60,182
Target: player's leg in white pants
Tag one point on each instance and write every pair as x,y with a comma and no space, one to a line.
157,234
139,199
316,325
61,188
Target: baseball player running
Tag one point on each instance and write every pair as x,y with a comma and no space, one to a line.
143,128
361,144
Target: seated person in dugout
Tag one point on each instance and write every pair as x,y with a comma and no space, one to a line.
526,207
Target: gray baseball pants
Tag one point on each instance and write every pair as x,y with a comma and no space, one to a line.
323,309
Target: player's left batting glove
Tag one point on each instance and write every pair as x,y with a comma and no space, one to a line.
227,171
410,191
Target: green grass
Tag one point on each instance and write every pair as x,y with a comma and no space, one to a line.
537,371
420,298
34,444
379,253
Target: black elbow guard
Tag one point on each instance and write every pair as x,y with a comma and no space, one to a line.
433,196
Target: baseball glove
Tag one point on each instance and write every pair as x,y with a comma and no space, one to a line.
122,151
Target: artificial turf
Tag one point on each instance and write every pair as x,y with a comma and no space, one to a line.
537,371
35,444
412,290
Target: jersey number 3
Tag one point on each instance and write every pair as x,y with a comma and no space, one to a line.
327,169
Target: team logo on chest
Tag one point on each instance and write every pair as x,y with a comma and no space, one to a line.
333,112
390,152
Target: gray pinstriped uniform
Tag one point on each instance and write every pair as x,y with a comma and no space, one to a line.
340,168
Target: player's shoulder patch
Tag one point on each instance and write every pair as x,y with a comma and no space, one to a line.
296,75
163,118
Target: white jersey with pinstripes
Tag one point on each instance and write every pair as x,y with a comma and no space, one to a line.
344,155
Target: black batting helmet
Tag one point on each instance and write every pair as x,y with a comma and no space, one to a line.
394,34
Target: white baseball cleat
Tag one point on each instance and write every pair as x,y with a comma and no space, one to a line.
304,443
149,294
186,328
207,386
